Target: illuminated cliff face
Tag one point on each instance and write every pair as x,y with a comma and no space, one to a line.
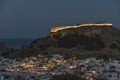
56,29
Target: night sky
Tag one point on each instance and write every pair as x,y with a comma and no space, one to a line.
34,18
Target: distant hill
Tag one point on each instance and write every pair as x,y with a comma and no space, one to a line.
92,40
2,45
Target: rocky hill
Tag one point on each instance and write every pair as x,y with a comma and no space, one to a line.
91,37
84,40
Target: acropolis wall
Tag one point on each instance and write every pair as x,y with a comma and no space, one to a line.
56,29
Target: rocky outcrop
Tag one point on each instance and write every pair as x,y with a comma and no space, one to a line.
92,39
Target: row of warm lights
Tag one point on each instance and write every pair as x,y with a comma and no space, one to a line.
12,70
48,66
31,64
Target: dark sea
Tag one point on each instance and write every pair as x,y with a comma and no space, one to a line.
16,43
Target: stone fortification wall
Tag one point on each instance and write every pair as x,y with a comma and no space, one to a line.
56,29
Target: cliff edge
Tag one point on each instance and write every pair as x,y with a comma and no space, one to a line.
83,40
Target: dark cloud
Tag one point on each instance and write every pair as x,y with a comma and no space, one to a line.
34,18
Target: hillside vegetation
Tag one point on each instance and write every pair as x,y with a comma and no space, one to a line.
83,41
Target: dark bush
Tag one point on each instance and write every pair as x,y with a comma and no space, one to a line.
113,46
66,77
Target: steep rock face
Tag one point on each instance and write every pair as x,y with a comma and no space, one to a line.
93,37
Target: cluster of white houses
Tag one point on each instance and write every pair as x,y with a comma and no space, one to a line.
43,68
